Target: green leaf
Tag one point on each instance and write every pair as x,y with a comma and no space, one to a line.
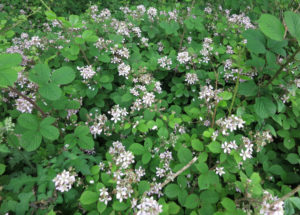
264,107
50,91
31,140
173,208
63,75
197,145
86,142
214,147
255,41
101,206
226,95
248,88
143,187
88,197
89,36
209,196
9,69
149,115
137,149
82,130
2,168
40,74
119,206
228,204
293,158
172,190
295,201
106,77
184,155
47,121
192,201
146,157
271,27
163,132
49,132
73,19
50,15
28,121
292,21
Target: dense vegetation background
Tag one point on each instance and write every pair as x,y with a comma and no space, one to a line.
150,107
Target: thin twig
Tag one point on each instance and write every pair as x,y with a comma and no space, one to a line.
29,100
234,93
286,196
168,180
290,59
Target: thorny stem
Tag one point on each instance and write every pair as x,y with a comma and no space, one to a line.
234,93
289,60
168,180
216,103
20,22
48,8
84,56
286,196
29,100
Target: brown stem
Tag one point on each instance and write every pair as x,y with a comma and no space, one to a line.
289,60
29,100
168,180
286,196
84,56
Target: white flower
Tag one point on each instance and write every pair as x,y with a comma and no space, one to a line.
23,105
183,57
148,99
124,70
104,195
191,78
149,206
64,181
245,154
86,72
220,171
117,113
226,147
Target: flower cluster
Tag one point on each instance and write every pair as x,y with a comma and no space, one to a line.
262,138
86,72
231,123
118,114
183,57
149,206
271,205
64,181
191,78
165,62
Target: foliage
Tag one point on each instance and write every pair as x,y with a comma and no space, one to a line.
183,108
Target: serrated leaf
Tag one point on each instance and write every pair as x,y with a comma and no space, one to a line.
271,27
264,107
28,121
49,132
40,74
228,204
9,69
2,168
184,155
292,21
31,140
137,149
192,201
88,197
50,91
63,75
172,190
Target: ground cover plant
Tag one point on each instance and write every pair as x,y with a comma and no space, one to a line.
185,108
